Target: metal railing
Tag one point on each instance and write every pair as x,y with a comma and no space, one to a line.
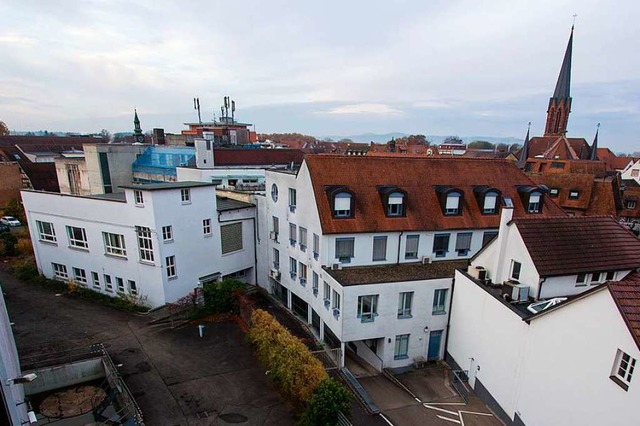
460,377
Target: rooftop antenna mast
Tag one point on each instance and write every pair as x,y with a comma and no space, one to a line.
233,110
226,107
196,106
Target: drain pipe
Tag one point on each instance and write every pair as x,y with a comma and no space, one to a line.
399,241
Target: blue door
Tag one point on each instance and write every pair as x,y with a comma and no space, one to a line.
435,337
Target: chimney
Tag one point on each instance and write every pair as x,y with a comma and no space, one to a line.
497,274
158,137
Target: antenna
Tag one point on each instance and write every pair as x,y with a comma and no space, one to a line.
575,15
196,106
226,106
233,110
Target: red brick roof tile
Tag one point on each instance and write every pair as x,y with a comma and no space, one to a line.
417,176
626,293
256,157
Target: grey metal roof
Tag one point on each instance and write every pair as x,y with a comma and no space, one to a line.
166,185
226,204
360,275
563,85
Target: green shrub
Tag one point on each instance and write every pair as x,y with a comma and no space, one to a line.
9,242
329,399
290,365
218,296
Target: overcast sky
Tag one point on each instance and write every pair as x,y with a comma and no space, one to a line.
441,67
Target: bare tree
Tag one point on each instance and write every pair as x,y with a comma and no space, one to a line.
4,130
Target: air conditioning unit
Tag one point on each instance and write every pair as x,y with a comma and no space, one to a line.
336,312
275,274
315,291
478,272
426,260
517,292
303,280
273,235
327,302
336,266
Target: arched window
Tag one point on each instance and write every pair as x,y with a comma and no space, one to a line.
342,204
395,204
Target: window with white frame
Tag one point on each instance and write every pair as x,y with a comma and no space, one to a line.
315,283
206,227
133,289
303,238
303,273
327,294
622,371
404,304
463,243
231,237
535,198
316,246
344,249
120,284
379,248
138,197
411,247
452,206
440,245
596,277
395,204
77,237
336,301
145,243
368,307
401,350
553,192
342,204
440,301
167,233
490,205
185,196
276,259
292,234
60,271
292,199
581,280
611,275
96,279
79,276
293,267
170,262
630,204
275,228
46,232
114,244
108,285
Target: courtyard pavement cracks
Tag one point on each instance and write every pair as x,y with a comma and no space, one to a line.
176,377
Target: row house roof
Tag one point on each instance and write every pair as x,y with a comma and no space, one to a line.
420,179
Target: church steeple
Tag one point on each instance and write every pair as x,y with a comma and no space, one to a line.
138,136
560,102
524,152
594,147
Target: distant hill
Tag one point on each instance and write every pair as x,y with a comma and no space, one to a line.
383,138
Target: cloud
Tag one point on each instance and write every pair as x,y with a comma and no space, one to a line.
363,109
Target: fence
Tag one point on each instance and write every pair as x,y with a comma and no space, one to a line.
460,377
330,358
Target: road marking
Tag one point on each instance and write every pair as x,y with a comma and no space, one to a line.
453,413
386,419
476,413
448,419
446,403
419,402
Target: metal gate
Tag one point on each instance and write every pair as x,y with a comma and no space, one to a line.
460,377
330,358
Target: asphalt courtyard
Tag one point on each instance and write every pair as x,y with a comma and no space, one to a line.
176,377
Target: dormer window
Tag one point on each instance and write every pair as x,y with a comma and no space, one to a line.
341,201
553,192
574,194
487,198
395,205
452,206
535,199
531,197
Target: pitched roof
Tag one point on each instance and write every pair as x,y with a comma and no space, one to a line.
571,245
256,157
225,204
418,177
626,294
566,148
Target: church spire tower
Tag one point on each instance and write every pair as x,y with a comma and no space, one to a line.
138,136
560,102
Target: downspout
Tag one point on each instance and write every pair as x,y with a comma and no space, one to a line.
399,240
542,280
446,337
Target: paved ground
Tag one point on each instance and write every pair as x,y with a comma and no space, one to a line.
176,377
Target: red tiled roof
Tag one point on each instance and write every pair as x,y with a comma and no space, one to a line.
571,245
574,148
417,176
256,157
626,294
612,161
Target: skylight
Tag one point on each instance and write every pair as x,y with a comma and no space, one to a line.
538,307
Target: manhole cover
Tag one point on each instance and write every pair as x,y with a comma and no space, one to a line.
72,402
233,418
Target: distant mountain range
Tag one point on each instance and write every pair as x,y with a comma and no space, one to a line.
386,137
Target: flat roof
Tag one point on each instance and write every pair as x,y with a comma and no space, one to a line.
226,204
166,185
361,275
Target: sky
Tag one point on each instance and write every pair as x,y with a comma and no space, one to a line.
439,67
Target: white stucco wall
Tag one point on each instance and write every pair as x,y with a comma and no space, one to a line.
121,158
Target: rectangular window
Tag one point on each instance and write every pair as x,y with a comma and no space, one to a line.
104,171
77,237
635,172
344,249
553,192
441,245
440,301
303,273
488,236
336,301
145,243
315,283
293,267
622,371
534,203
133,289
114,244
515,269
275,228
581,280
411,247
79,276
557,165
368,307
402,347
404,304
316,246
574,195
185,196
170,261
463,243
611,275
326,295
276,259
379,248
303,238
490,203
452,206
108,285
206,227
46,232
96,279
292,234
137,196
167,233
120,284
292,199
231,237
631,204
596,277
